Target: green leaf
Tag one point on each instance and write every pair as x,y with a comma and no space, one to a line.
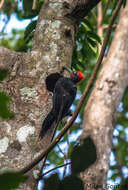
53,182
124,3
122,151
93,48
86,21
11,180
4,111
29,37
72,182
27,7
55,158
114,176
3,74
94,36
92,42
83,156
28,11
30,28
41,1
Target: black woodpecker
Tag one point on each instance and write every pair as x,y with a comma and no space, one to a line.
64,91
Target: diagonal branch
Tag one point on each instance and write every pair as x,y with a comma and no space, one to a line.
1,3
57,167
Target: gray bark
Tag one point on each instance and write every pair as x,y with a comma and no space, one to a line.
100,112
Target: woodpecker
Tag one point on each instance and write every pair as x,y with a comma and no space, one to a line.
64,91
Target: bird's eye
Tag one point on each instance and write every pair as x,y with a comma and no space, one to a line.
74,73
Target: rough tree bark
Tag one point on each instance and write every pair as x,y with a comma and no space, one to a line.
52,49
100,112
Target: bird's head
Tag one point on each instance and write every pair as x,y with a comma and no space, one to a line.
77,76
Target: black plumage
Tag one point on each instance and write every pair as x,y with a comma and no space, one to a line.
63,96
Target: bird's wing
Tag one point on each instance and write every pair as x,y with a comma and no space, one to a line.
51,81
58,100
64,94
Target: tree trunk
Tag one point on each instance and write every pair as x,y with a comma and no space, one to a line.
100,112
52,49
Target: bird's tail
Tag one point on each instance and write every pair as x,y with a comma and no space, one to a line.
49,120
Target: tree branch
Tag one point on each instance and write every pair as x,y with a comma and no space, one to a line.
8,58
1,3
100,112
34,4
80,8
99,25
60,166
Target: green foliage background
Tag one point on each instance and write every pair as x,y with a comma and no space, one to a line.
84,58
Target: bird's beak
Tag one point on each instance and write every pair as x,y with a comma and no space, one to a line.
67,69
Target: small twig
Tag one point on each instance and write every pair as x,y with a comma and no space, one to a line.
68,138
61,151
1,3
64,172
85,94
106,26
99,16
34,4
99,25
60,166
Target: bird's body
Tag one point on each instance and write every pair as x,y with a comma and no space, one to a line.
63,96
